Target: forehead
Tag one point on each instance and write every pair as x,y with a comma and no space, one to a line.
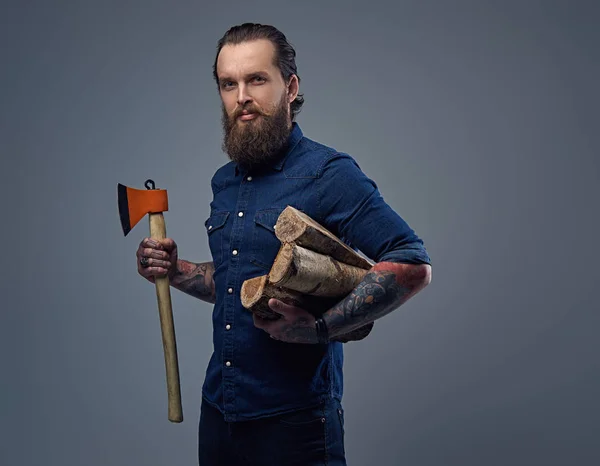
247,57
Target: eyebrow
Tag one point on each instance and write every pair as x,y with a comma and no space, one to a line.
246,76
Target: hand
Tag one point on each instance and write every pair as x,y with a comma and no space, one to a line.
295,325
161,256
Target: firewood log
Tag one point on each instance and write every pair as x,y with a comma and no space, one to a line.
294,226
256,292
309,272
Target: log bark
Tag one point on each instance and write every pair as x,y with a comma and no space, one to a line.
256,292
309,272
294,226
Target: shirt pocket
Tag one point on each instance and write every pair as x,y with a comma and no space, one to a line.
215,231
264,243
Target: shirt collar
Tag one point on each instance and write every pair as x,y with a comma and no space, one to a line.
293,140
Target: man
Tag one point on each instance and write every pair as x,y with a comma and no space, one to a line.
273,390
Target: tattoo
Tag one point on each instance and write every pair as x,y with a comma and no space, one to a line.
383,289
195,279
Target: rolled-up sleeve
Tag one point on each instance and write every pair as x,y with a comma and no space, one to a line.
351,206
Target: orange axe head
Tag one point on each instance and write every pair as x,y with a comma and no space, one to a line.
135,203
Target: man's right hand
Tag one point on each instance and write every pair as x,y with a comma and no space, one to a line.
161,257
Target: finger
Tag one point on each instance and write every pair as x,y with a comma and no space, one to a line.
151,243
145,247
280,306
155,254
274,303
158,263
154,271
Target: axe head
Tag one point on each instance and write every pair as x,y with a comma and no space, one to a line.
135,203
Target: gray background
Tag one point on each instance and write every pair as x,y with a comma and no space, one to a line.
478,121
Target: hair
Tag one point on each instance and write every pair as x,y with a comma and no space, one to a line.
285,55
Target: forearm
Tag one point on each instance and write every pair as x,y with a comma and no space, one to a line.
195,279
386,286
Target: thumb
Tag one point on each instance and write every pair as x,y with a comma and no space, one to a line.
168,244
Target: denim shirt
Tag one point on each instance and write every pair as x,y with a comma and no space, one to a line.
251,375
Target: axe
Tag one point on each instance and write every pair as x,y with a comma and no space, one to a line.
133,205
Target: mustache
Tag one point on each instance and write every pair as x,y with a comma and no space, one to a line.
251,109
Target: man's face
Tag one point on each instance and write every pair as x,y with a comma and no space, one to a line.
255,102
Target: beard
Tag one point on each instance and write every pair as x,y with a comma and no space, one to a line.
258,142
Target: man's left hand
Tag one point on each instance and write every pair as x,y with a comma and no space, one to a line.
294,326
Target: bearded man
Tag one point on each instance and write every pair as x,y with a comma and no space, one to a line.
273,389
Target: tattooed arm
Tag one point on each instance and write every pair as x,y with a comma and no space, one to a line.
195,279
387,286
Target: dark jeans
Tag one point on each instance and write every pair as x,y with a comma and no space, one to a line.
309,437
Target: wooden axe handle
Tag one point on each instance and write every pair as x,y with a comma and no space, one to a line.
163,294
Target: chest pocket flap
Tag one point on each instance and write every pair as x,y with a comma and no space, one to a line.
214,229
215,221
265,243
267,218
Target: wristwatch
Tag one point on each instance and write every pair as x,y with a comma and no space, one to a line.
322,332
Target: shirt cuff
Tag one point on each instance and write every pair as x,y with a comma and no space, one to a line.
414,253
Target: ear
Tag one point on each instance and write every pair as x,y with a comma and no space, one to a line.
293,88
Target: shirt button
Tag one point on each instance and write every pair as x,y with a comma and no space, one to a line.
235,252
210,227
228,363
230,290
228,326
241,214
249,178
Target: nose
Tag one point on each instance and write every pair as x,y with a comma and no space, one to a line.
243,97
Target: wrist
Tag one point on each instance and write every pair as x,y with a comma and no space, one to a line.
322,332
177,272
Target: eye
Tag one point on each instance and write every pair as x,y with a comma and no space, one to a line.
226,84
259,79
